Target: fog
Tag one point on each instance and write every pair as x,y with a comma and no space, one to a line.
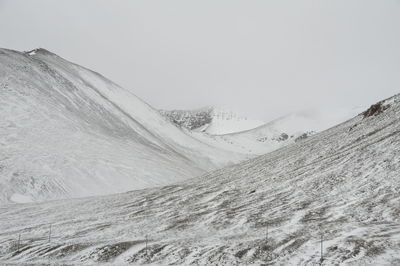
261,58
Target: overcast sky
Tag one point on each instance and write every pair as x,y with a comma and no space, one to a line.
261,58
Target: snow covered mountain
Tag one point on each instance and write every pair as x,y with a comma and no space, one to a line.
280,132
337,191
66,131
211,120
229,131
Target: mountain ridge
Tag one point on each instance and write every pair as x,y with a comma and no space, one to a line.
66,130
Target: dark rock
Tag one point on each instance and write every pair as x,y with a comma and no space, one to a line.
283,137
375,110
301,137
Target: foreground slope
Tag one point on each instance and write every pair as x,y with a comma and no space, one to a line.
66,131
343,183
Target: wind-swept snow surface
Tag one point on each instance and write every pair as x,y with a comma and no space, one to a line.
342,184
66,131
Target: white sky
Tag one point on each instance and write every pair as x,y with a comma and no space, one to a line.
261,58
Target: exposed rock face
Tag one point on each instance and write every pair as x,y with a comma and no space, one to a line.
211,120
375,109
189,119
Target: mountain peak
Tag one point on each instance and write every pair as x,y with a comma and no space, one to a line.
70,132
39,51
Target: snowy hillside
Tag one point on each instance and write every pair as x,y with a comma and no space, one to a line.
211,120
341,186
280,132
66,131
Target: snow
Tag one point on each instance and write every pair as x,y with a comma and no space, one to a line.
66,131
18,198
279,132
225,122
342,183
389,101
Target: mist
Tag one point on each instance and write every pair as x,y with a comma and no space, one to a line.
263,59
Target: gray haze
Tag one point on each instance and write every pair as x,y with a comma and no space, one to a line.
261,58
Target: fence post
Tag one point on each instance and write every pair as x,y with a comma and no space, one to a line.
147,254
50,233
19,239
322,254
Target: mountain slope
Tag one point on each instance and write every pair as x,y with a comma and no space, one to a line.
279,132
66,131
343,184
211,120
